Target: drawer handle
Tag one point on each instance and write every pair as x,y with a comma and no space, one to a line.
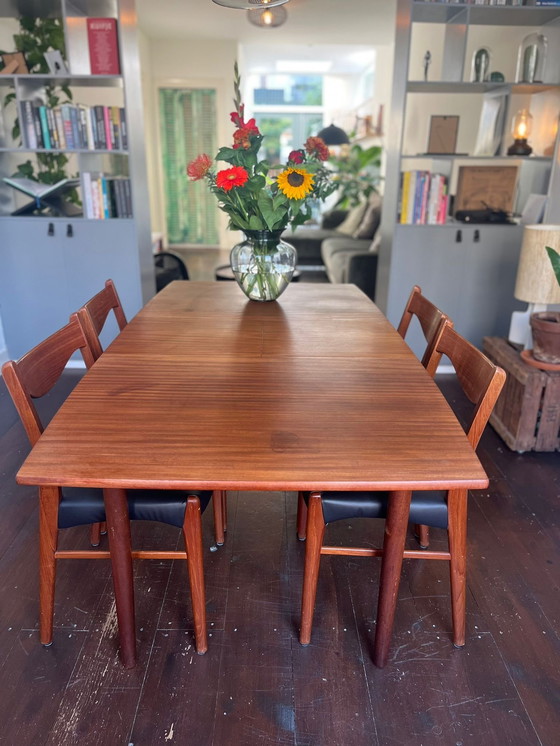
69,231
50,230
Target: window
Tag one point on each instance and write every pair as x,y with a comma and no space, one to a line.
188,128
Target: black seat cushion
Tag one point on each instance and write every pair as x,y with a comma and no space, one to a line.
426,508
82,506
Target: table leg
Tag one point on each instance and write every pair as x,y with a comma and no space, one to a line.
393,545
118,527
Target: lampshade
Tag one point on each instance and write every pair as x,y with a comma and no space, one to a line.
333,135
267,17
522,124
248,4
536,281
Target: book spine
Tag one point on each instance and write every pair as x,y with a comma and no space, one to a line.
104,197
60,127
127,198
119,196
411,197
75,127
38,127
90,139
87,196
108,128
103,46
45,127
67,124
99,118
405,196
52,128
116,122
124,131
28,125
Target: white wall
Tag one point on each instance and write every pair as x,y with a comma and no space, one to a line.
189,63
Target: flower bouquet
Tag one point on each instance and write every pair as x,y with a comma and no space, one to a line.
263,200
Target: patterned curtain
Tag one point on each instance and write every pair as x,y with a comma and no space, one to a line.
188,128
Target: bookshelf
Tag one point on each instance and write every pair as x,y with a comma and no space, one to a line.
52,262
467,269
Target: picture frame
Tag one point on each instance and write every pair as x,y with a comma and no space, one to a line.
479,187
56,63
14,64
442,139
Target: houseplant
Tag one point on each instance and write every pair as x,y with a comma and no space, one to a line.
262,201
545,325
356,172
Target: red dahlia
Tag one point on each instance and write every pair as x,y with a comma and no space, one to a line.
296,156
231,177
315,146
198,168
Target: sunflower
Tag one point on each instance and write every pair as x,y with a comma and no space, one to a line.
295,183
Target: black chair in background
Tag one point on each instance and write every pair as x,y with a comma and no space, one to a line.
169,267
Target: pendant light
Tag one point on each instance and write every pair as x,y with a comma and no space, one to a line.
267,17
249,4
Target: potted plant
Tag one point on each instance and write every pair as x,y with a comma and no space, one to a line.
545,325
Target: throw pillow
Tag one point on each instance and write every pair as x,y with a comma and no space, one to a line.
370,220
352,221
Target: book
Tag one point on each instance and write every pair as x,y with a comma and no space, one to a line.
103,46
37,190
28,125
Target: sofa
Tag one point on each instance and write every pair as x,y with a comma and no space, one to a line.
345,244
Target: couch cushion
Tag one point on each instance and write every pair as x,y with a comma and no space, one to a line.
336,253
371,218
307,242
352,221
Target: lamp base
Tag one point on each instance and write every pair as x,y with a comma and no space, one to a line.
520,147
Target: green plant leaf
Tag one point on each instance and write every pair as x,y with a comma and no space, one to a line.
555,261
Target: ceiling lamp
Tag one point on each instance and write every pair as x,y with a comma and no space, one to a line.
249,4
267,17
333,135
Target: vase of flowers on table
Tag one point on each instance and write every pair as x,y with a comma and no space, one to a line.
262,200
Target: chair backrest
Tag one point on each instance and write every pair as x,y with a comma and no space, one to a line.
479,378
35,374
169,267
93,315
430,317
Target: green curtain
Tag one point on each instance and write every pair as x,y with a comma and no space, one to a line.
188,128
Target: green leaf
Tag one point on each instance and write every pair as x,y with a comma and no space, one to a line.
555,261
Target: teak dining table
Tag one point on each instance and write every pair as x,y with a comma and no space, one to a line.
207,390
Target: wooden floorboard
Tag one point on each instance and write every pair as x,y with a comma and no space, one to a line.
256,684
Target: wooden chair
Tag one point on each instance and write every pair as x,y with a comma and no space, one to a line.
481,382
33,376
431,321
92,317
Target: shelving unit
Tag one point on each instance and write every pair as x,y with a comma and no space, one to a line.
51,264
469,270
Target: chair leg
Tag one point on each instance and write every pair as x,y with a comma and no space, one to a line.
49,498
422,534
192,532
95,534
224,509
315,533
457,535
218,509
301,517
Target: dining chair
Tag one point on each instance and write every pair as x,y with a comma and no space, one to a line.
431,320
481,382
92,316
33,376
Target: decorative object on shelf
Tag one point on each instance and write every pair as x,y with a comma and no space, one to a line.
333,135
538,284
521,129
480,65
56,64
531,58
497,77
491,124
267,17
261,200
249,4
103,46
14,63
49,197
480,187
263,264
442,139
427,61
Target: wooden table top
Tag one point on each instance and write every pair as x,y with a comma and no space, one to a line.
205,389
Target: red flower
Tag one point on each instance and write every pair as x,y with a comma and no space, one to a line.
296,156
198,168
231,177
315,146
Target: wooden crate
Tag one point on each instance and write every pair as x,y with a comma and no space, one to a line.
527,413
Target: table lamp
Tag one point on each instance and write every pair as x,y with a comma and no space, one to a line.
521,129
536,283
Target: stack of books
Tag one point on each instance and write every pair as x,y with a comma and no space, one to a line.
73,127
423,198
106,196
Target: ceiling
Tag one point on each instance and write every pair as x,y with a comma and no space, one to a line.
315,29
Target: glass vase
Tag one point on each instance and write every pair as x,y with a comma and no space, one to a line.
263,264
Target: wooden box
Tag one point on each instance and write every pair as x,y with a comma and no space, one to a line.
527,413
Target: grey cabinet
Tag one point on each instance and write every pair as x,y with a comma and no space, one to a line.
469,271
51,267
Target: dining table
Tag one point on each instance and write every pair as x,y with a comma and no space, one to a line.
207,390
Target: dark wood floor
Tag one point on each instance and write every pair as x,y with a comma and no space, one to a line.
256,685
